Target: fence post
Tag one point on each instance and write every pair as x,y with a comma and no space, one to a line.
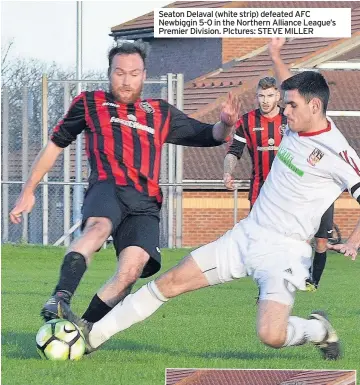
78,189
25,154
171,170
235,204
179,164
67,200
5,164
44,118
163,179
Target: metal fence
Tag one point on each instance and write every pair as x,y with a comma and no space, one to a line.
28,117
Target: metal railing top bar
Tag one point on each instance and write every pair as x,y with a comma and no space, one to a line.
161,80
183,184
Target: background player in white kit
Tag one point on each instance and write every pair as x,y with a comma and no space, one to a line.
314,165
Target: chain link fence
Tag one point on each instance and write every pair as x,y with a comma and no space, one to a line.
28,118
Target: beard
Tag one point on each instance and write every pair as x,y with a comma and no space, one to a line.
126,95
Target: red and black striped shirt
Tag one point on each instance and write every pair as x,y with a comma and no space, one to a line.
124,141
262,135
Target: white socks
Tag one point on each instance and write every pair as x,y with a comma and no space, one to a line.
134,308
300,331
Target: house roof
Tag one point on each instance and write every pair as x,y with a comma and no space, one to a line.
147,21
259,377
325,377
244,75
352,55
173,376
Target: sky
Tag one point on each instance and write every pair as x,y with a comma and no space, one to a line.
47,29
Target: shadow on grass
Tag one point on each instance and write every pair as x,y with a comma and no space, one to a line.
19,345
22,346
134,346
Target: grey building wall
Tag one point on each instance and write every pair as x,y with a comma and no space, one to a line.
192,57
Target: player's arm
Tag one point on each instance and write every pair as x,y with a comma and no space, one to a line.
63,134
281,69
187,131
346,172
234,153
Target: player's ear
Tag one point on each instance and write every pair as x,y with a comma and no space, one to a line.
315,105
109,72
278,96
144,75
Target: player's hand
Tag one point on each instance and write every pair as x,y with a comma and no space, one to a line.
275,45
230,110
24,204
229,181
348,249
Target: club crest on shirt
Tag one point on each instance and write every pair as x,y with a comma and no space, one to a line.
315,157
282,129
146,107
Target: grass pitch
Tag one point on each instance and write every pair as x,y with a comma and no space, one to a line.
210,328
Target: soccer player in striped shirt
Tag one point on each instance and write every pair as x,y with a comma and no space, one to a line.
262,130
124,136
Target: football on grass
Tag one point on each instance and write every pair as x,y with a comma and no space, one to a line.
61,340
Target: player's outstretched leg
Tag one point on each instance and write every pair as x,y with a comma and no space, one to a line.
330,345
136,307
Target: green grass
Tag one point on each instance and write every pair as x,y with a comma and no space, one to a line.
210,328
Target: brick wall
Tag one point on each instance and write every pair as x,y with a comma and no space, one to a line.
235,48
208,214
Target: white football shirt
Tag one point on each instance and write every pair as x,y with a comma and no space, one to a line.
308,174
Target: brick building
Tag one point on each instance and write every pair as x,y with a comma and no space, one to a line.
237,64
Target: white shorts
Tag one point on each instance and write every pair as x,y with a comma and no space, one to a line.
278,264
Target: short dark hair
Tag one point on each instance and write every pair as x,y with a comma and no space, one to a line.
309,84
267,82
128,48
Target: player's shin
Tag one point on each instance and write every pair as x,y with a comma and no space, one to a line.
133,309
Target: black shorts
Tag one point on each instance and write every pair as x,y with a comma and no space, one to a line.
326,225
134,217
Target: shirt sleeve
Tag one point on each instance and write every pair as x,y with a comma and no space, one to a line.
346,171
239,140
187,131
71,125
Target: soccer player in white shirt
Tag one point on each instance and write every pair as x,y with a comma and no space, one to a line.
313,166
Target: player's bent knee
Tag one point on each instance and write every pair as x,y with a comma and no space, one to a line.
132,261
321,245
272,337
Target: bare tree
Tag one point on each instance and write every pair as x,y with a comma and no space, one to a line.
18,73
